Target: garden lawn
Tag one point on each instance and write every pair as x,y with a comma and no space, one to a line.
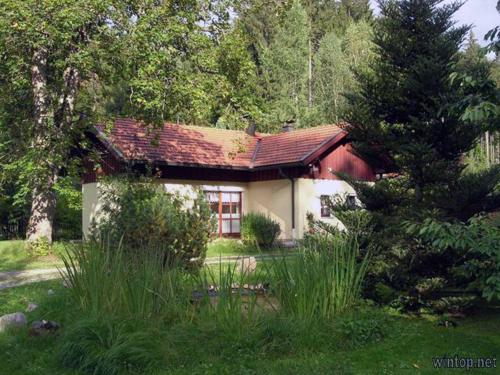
407,345
15,256
230,247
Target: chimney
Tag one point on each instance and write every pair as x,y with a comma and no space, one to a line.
288,126
251,128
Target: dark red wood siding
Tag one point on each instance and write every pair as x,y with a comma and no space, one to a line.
342,159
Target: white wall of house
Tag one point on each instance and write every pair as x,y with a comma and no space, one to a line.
91,205
273,198
270,197
310,192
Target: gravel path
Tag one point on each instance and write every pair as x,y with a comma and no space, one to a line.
9,279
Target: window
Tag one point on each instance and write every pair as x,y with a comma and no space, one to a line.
350,201
226,208
325,208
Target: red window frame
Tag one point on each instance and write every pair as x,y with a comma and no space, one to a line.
231,219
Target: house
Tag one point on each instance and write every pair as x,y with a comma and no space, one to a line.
284,175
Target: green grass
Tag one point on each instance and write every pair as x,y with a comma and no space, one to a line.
130,315
231,247
17,299
15,256
275,347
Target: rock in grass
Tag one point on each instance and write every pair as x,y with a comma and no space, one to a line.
247,265
43,327
15,320
31,307
51,292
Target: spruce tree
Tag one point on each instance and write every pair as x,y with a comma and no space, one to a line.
406,109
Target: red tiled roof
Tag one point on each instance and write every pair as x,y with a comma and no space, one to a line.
294,146
213,147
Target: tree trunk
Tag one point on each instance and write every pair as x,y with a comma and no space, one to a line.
42,210
43,197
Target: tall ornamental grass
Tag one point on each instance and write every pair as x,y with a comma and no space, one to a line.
322,281
109,281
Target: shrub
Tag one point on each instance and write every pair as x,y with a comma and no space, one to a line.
259,229
476,244
142,215
68,213
323,280
39,247
362,330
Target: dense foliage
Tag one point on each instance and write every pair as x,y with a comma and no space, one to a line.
259,229
411,115
478,245
142,215
66,66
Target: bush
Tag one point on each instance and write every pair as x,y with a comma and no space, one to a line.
142,215
68,214
39,247
259,229
361,330
476,244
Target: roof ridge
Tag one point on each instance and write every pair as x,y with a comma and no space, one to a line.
301,130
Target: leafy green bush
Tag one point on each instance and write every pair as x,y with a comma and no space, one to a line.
259,229
142,215
323,280
68,214
39,247
476,242
362,330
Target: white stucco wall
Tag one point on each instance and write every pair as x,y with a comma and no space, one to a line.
270,197
273,198
90,206
310,192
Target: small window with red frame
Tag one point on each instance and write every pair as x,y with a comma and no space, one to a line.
325,206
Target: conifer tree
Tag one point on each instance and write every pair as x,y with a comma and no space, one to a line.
406,109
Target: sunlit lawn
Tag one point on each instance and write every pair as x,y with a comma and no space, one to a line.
15,256
232,247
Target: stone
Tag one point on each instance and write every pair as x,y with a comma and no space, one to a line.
31,307
43,327
50,292
247,265
15,320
